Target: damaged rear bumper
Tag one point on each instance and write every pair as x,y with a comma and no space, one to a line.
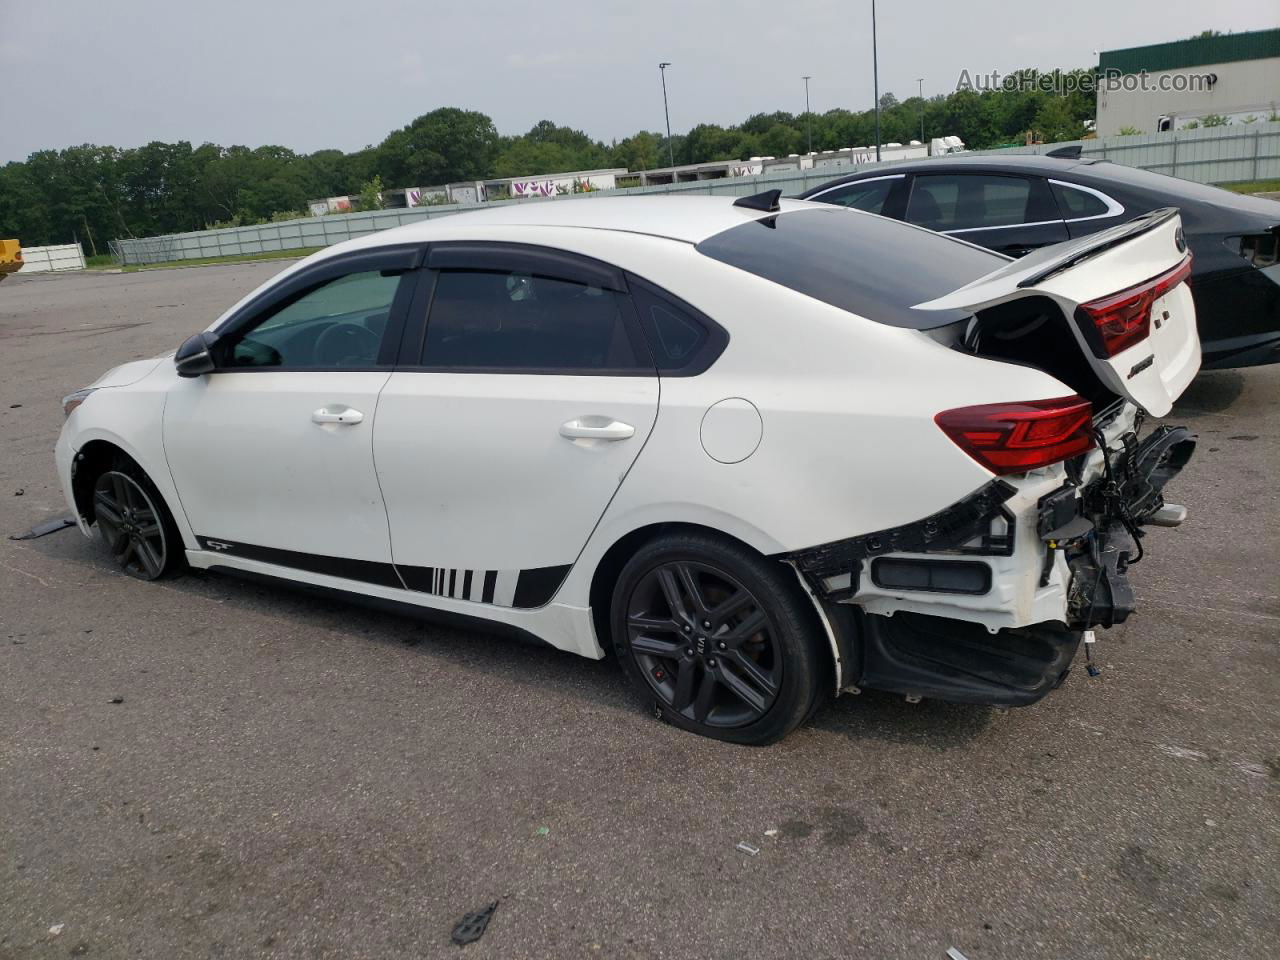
985,602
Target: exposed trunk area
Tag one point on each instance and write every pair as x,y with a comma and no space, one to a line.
1033,331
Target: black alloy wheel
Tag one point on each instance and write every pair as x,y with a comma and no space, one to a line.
133,525
704,643
722,640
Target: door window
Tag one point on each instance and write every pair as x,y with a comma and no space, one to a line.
973,202
339,324
511,321
867,195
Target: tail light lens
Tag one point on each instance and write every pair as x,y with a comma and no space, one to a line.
1016,437
1124,318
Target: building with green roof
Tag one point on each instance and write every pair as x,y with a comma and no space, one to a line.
1167,86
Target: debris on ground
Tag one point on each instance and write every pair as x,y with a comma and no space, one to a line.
771,832
14,406
955,954
542,831
116,700
472,926
748,848
20,491
56,928
43,529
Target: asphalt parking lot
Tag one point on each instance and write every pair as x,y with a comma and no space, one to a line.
289,778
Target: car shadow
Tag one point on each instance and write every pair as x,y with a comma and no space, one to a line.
887,717
526,660
1211,392
870,716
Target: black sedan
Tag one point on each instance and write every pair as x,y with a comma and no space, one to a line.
1014,204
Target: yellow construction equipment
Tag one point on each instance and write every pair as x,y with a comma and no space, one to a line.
10,257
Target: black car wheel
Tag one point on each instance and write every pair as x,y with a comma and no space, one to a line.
134,522
721,638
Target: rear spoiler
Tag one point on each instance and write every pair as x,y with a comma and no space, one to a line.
1091,246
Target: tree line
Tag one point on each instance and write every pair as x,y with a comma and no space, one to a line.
95,193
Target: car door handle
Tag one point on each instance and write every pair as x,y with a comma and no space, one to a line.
343,415
596,428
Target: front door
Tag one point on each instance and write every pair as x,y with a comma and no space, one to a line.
272,453
500,446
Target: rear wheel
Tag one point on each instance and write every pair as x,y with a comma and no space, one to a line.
719,636
135,524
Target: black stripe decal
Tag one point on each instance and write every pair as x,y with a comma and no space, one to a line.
453,581
536,587
365,571
490,582
466,585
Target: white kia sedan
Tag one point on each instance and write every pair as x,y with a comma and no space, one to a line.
762,451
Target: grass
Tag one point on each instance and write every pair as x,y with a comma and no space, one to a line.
106,263
1253,186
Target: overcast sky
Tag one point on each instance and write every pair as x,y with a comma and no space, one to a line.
310,74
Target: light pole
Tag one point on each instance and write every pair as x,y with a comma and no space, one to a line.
671,151
807,113
875,72
920,81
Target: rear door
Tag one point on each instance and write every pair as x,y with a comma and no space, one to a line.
526,394
1124,293
1009,213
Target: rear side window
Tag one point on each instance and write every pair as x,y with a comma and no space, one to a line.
508,321
971,201
867,195
683,341
870,266
1078,204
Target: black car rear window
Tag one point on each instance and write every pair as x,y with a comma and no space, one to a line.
868,265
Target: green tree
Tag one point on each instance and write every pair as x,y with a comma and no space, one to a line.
1054,122
442,146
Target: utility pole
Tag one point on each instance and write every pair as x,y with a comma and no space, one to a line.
920,81
808,114
671,150
875,72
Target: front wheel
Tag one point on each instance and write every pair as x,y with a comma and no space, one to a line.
719,636
134,522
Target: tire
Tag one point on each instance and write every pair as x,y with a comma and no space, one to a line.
721,639
135,523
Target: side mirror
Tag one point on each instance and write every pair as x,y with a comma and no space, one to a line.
193,358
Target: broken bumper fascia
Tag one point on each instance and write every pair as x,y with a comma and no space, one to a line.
1073,535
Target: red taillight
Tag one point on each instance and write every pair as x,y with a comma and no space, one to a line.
1124,318
1016,437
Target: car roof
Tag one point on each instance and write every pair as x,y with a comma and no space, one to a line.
690,219
1030,162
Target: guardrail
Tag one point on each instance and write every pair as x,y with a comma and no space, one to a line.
1210,155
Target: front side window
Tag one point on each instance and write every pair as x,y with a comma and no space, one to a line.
336,325
509,321
869,195
970,201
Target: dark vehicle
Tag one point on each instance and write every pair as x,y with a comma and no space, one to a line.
1014,204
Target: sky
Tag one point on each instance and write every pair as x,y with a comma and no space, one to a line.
313,74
